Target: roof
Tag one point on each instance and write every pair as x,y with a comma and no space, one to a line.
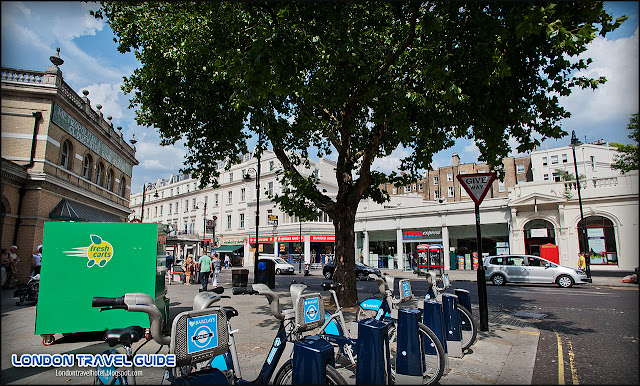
75,211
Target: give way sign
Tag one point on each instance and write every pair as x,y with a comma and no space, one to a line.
477,185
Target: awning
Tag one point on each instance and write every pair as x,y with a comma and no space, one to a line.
228,248
75,211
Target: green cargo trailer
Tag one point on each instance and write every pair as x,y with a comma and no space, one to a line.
82,260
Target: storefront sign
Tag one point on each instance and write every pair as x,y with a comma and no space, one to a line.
287,239
261,239
422,233
230,241
539,232
65,121
328,238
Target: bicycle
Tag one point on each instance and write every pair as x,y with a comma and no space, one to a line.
336,332
468,326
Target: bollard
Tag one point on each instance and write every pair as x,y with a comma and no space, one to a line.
432,317
464,298
310,357
452,325
409,359
373,366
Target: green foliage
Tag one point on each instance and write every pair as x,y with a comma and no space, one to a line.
628,158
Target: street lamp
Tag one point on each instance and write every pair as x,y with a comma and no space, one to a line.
247,177
144,195
575,142
301,248
204,222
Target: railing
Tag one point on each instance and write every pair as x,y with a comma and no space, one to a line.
24,76
604,182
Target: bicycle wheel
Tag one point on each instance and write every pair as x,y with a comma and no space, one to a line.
285,375
434,355
468,327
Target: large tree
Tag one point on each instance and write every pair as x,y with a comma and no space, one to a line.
358,79
628,158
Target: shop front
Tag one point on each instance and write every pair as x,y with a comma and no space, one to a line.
463,242
322,248
416,253
291,248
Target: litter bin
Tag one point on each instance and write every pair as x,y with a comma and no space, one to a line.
266,273
239,277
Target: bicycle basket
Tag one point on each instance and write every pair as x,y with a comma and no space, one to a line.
197,336
405,290
309,312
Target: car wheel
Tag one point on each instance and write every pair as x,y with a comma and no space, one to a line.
278,272
328,275
564,281
498,279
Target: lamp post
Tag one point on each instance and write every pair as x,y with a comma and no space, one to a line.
247,177
584,246
204,222
144,195
300,254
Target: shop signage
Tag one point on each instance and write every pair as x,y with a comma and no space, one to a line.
328,238
422,233
261,239
233,241
539,232
477,185
287,239
272,219
65,121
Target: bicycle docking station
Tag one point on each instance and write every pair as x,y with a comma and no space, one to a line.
464,299
409,359
453,335
374,364
433,318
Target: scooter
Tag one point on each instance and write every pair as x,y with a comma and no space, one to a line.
28,291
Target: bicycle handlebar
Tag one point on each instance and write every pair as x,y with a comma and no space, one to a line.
107,302
262,289
243,291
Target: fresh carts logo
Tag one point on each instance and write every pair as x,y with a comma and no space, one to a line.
99,252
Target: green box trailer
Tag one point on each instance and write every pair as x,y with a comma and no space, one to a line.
81,260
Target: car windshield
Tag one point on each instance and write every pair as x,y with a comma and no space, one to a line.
280,261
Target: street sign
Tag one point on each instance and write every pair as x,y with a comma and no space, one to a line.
477,185
272,219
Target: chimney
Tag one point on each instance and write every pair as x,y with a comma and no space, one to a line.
455,159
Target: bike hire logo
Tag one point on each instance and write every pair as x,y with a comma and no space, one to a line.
99,252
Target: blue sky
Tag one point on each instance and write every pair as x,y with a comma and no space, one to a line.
31,31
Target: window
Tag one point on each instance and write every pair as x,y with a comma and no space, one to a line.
241,220
272,165
99,171
192,226
187,188
65,159
554,159
171,192
407,188
435,180
185,226
436,194
86,167
270,188
601,240
193,204
155,212
564,158
394,190
177,190
147,212
230,197
231,177
556,177
170,206
123,183
593,163
228,221
244,173
520,168
161,209
544,161
110,180
449,176
242,194
215,201
186,206
450,191
546,177
501,187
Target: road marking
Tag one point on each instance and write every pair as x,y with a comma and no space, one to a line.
530,332
560,361
574,372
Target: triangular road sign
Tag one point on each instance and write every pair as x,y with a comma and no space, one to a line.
477,184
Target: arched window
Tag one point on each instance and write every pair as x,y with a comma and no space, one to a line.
110,180
87,164
67,151
601,240
537,233
123,183
99,172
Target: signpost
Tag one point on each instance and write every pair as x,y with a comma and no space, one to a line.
477,185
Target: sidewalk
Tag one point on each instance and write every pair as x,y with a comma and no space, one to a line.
503,355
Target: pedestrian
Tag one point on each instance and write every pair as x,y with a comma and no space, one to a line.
216,264
196,269
361,258
188,268
169,261
227,261
6,269
204,266
582,263
37,260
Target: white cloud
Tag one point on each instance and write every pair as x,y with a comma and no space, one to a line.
391,162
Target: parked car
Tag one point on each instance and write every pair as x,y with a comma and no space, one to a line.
530,269
362,271
281,265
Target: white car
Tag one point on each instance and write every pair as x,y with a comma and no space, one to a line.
281,265
530,269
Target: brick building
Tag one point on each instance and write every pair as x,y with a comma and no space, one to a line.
61,160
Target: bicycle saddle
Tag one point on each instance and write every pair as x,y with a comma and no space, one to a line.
123,336
329,285
230,312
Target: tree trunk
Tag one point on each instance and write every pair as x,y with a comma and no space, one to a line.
345,255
